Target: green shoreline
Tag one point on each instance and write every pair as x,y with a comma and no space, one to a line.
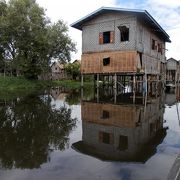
20,83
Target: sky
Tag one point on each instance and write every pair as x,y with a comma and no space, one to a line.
165,12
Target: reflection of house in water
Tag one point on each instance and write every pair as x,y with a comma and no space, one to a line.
170,99
173,96
121,132
58,93
178,93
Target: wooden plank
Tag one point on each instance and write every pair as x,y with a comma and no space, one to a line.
119,62
119,115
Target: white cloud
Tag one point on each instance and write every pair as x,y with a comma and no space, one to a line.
173,49
71,11
164,11
167,15
166,3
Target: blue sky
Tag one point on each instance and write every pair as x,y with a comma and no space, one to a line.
165,12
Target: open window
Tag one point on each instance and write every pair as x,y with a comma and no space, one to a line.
160,48
124,33
106,61
154,44
106,37
140,56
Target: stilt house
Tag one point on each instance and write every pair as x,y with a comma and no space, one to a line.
119,41
172,70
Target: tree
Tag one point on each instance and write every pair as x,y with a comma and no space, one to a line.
73,70
60,44
29,38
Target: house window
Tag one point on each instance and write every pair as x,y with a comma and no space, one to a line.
106,61
56,68
105,114
123,143
160,48
154,44
106,37
104,137
140,57
124,33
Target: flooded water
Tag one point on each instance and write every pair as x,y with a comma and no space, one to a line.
60,135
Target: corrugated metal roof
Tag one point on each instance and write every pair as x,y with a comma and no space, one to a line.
143,13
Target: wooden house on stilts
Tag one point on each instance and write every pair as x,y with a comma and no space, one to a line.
126,45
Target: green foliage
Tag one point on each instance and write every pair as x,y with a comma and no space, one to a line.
29,39
89,78
73,70
60,44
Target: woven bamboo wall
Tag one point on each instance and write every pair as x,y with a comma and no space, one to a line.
120,62
119,115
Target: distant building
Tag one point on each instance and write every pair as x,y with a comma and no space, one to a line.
58,71
58,93
172,70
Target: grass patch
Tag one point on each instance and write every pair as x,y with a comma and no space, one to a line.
12,87
19,86
20,83
72,84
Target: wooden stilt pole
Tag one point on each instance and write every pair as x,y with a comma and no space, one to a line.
97,86
115,88
97,81
157,82
82,80
134,88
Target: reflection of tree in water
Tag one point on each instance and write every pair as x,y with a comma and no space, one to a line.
74,97
29,128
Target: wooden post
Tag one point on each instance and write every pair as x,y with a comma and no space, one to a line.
115,81
94,81
157,81
97,94
97,81
82,80
115,87
134,88
82,94
144,88
103,81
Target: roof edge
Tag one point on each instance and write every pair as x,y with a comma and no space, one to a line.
101,9
77,24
